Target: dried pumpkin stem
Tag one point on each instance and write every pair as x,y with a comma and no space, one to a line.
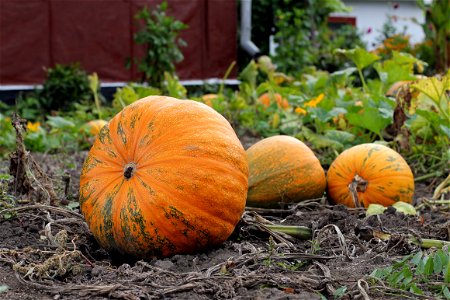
129,170
358,184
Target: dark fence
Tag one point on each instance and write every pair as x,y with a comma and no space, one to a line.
37,34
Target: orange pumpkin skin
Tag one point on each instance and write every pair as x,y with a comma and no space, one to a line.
388,177
164,177
283,170
95,126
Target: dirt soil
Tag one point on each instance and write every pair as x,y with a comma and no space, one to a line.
48,253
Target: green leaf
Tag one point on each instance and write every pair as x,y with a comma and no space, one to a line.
414,289
446,292
417,258
73,205
320,141
369,119
249,74
446,272
342,137
391,72
342,75
360,57
408,276
340,292
93,82
375,209
445,129
428,268
405,208
437,264
433,87
60,122
3,288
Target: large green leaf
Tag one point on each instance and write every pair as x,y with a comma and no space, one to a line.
60,122
436,89
370,119
320,141
360,57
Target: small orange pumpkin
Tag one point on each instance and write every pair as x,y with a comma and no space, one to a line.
208,98
95,126
283,170
370,173
266,99
164,177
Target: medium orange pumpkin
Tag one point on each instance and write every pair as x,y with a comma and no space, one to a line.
164,177
283,170
95,126
266,99
370,173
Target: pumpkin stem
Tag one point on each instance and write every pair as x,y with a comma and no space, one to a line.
129,170
358,184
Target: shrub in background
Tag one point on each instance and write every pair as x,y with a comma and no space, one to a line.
159,34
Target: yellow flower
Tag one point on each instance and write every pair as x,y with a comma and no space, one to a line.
313,102
33,127
300,111
8,119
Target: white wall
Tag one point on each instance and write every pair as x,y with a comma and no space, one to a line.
371,15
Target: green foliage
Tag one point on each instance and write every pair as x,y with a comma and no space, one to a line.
420,274
437,32
6,199
64,86
304,37
159,35
7,136
94,85
131,92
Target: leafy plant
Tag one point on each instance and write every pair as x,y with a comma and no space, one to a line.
420,274
64,86
437,32
7,136
304,37
94,85
131,92
159,35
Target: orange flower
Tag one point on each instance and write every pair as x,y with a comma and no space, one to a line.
33,127
300,111
313,102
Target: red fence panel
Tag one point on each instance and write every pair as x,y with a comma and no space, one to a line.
98,34
24,41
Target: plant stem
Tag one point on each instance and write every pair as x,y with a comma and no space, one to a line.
227,73
428,243
362,80
97,103
426,176
300,232
439,189
423,243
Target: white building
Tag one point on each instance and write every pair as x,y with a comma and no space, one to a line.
370,15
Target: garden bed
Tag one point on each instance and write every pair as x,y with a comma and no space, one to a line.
48,252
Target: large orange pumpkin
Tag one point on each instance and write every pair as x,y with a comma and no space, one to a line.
283,170
370,173
164,177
